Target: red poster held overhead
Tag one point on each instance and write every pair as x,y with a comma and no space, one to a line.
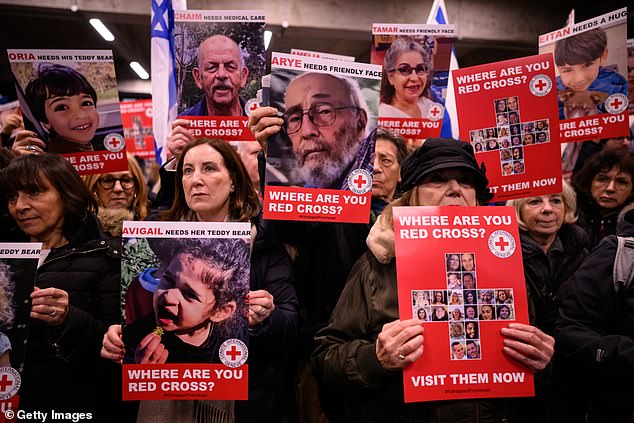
514,131
137,128
473,287
592,72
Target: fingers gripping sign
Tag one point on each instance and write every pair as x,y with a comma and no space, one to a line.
528,345
264,123
400,343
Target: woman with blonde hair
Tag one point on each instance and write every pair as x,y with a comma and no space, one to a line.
117,190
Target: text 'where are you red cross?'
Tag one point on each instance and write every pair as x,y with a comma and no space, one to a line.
473,286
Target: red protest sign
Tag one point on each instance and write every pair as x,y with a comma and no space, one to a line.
591,67
226,128
463,300
412,102
136,117
184,382
515,133
323,205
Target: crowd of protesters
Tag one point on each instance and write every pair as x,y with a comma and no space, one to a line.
326,341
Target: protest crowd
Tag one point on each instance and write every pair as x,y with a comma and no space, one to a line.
326,340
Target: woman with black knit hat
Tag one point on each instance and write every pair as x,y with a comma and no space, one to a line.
361,353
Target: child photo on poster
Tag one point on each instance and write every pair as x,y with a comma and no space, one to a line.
18,265
592,83
184,287
70,105
197,304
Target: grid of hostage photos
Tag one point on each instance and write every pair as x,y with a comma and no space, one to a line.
510,136
463,306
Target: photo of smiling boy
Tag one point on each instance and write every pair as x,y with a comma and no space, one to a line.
65,104
197,304
581,61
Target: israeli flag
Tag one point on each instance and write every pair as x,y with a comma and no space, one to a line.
438,16
164,99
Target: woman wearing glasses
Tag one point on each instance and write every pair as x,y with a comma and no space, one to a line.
118,192
604,187
406,81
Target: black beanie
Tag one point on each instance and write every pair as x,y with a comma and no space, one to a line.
443,153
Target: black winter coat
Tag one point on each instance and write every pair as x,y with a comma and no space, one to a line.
269,367
545,274
595,333
63,369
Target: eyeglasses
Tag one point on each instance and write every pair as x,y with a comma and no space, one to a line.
406,70
621,183
322,114
107,182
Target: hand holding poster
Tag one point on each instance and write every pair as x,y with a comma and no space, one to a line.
591,64
184,286
220,60
415,60
322,157
512,135
18,264
70,105
462,300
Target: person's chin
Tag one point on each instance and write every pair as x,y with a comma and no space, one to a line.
118,204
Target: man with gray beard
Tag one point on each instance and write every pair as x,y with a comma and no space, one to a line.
326,121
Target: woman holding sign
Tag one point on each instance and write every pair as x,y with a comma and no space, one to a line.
213,185
405,83
365,328
76,294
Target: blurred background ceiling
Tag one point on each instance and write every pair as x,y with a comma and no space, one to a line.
488,30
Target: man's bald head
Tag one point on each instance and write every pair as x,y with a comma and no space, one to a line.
221,74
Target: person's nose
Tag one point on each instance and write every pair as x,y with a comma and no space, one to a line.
222,73
22,202
377,167
77,111
309,129
170,297
117,187
611,187
547,207
453,186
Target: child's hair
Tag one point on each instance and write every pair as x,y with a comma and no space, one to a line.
6,297
55,80
581,48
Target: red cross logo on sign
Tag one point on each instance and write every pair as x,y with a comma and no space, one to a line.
360,181
233,353
251,105
616,103
9,382
540,85
114,142
5,383
501,244
435,112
